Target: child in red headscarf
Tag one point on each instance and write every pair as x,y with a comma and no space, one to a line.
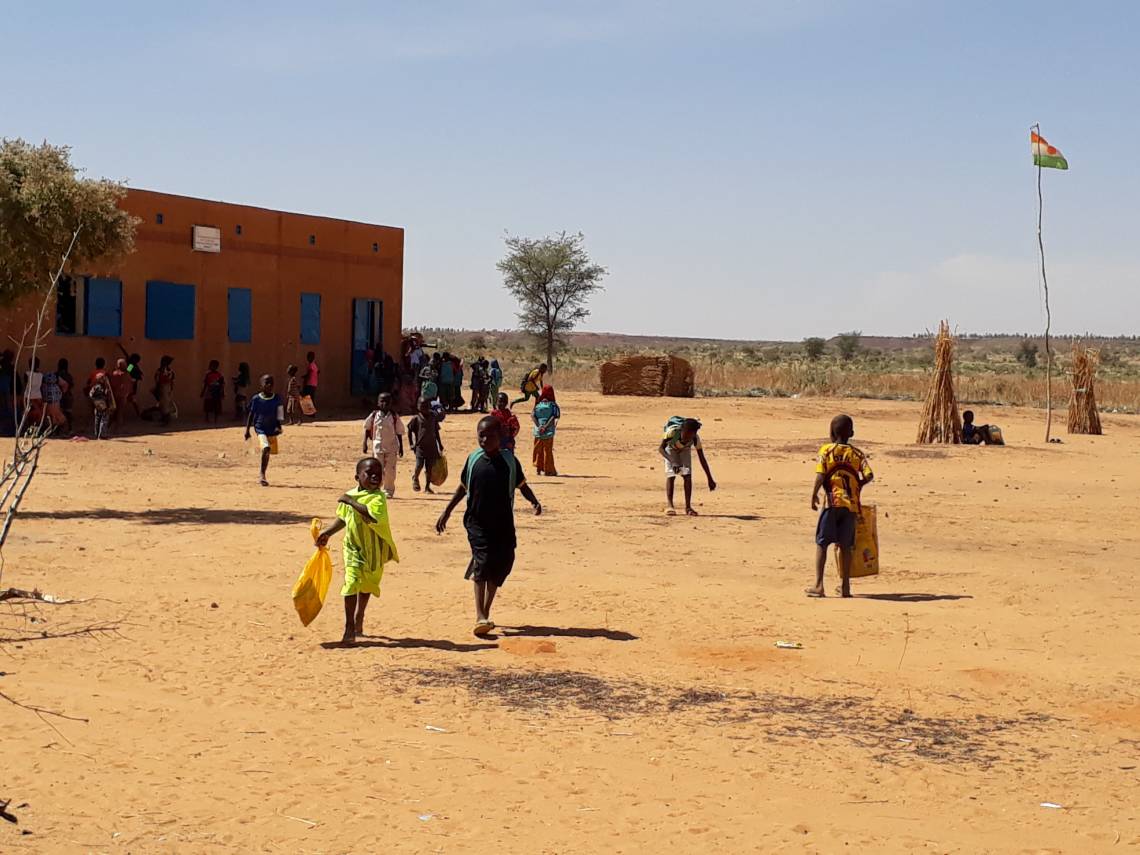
545,415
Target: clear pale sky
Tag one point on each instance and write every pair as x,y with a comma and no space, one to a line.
766,169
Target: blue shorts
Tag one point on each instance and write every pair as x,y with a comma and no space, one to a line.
836,525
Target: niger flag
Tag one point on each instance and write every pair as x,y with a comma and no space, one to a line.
1046,155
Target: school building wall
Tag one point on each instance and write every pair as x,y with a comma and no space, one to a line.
259,286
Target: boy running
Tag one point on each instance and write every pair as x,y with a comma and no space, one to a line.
681,437
489,480
384,430
266,413
842,472
368,543
532,385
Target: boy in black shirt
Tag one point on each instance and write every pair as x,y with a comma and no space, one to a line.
489,480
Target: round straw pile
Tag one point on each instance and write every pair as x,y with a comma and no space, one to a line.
940,419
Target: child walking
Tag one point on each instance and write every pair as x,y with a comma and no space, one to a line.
266,413
423,434
368,545
681,438
489,481
545,415
213,391
384,430
293,397
508,420
842,472
103,402
241,383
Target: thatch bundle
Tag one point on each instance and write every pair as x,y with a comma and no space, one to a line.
651,376
940,419
1083,415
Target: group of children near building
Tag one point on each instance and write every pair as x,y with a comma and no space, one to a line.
43,400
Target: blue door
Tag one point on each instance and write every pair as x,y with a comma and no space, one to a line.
367,339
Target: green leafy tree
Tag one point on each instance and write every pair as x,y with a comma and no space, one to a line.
552,278
848,345
814,347
45,203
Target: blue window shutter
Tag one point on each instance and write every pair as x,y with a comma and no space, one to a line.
310,318
240,317
169,311
104,307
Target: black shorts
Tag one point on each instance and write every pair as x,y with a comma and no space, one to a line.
490,564
311,391
836,525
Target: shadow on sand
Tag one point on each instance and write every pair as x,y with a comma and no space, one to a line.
176,516
913,598
564,632
409,644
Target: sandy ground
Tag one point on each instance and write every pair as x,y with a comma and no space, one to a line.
633,698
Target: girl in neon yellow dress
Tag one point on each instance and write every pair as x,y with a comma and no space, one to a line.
368,543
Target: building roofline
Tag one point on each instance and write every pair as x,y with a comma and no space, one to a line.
144,190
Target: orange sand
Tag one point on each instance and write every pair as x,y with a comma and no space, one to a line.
1009,581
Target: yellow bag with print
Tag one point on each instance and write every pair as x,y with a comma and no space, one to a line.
313,584
865,561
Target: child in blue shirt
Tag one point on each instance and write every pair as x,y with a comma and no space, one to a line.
266,413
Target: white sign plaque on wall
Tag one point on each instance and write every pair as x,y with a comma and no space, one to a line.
207,239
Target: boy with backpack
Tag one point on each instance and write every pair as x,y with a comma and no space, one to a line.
842,472
680,439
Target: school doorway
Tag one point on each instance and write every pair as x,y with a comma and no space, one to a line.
367,340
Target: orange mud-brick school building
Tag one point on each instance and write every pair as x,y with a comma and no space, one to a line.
211,280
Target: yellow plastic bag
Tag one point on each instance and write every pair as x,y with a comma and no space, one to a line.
438,472
310,589
865,561
307,406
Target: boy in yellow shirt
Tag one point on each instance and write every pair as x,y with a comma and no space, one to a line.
842,472
368,543
532,385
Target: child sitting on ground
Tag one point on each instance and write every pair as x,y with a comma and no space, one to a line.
489,480
423,436
842,472
681,437
545,415
973,434
266,413
368,543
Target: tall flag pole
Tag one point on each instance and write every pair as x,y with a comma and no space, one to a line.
1045,156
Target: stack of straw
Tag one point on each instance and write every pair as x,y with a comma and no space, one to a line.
647,375
940,419
1083,416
